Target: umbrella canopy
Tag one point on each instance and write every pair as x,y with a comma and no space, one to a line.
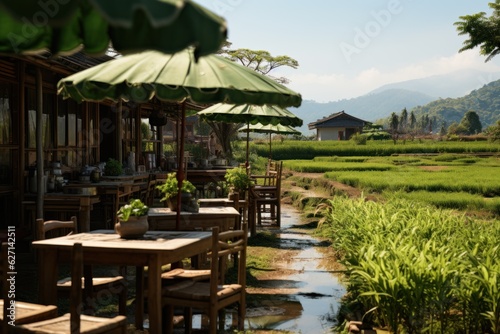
64,27
178,77
269,128
250,114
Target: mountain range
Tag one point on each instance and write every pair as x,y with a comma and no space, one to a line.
412,94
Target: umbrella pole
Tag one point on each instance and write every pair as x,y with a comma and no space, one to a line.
248,145
270,154
180,169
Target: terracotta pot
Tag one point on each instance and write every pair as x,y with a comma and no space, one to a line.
134,227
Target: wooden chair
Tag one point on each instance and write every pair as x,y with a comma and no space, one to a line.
74,322
267,196
24,312
150,195
113,284
220,291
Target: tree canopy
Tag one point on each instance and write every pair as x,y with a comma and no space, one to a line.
471,123
260,61
483,31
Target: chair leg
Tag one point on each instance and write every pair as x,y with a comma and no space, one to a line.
122,301
169,318
241,315
278,214
259,214
212,320
188,320
222,319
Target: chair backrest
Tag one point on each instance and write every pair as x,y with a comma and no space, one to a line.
52,228
224,245
279,171
76,287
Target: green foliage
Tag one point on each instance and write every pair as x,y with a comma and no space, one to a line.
484,101
415,268
481,31
238,178
444,180
307,150
113,167
359,139
134,208
471,123
261,61
493,132
478,180
170,187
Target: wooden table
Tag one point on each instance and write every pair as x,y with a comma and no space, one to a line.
164,219
112,193
105,247
68,203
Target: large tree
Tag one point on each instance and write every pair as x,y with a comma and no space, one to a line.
471,123
483,31
260,61
403,120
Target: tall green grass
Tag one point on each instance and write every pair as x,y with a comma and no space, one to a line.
478,180
293,149
416,269
451,200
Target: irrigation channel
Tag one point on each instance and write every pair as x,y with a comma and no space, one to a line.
306,300
315,286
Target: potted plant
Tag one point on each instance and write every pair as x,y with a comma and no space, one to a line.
238,180
113,168
170,188
132,219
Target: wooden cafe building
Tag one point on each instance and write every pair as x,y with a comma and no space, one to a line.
73,135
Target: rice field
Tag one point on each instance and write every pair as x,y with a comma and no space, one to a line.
418,260
456,181
307,150
416,269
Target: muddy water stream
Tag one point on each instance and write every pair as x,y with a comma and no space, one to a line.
312,293
312,309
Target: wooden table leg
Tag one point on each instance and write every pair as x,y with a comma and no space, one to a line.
154,295
47,277
84,219
139,297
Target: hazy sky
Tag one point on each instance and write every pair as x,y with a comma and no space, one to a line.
348,48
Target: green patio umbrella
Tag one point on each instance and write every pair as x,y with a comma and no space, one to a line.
270,129
30,27
65,27
176,78
250,115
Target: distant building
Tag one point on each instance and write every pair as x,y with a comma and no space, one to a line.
338,126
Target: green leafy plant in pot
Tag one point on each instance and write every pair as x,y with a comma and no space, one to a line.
169,190
238,180
113,168
132,219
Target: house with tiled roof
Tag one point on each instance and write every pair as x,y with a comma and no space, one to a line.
337,126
